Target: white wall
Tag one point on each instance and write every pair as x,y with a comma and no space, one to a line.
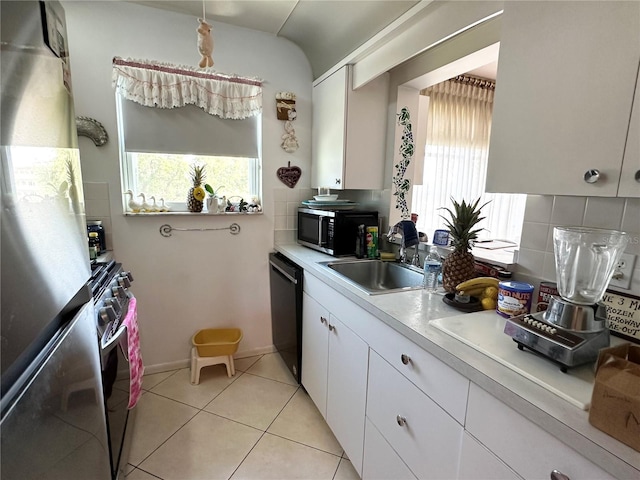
191,280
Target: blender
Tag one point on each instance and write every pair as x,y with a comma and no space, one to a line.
574,327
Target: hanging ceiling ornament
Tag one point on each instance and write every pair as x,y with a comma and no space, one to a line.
205,41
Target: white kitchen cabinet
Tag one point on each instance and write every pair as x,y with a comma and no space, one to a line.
347,389
523,446
381,462
334,373
425,437
315,351
630,175
349,132
564,91
476,461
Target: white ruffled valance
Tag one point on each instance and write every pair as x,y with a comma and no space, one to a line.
161,85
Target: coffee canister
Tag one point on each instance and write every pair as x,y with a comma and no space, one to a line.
96,226
514,298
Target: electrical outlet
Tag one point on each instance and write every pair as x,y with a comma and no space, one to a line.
623,272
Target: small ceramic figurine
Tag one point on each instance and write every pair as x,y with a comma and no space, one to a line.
132,204
205,44
145,206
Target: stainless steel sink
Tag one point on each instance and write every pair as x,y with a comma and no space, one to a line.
375,276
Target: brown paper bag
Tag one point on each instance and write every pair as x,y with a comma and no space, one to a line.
615,402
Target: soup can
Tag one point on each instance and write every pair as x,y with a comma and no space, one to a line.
514,298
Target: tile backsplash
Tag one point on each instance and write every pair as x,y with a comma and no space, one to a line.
543,212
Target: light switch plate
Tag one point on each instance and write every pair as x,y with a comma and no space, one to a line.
624,271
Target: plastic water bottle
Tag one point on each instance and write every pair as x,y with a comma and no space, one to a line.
432,268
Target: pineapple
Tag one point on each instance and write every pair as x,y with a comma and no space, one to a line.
460,264
196,193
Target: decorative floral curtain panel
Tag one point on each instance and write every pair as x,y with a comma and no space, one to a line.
455,163
162,85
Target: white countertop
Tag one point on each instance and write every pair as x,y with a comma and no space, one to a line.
411,313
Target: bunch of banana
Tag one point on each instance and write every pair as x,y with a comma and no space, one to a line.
484,288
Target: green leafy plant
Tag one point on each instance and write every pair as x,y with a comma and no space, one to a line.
211,191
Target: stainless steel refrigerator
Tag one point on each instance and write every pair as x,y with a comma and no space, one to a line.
52,405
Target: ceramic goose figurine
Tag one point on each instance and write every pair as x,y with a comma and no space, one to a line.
133,205
145,206
163,207
154,205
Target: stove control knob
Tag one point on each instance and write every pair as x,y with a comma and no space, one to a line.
113,303
124,281
119,293
106,315
127,275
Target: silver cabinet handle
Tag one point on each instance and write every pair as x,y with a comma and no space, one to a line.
592,176
402,421
332,328
323,320
556,475
637,176
405,359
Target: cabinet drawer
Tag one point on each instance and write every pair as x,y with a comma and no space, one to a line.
426,438
476,461
381,462
443,384
525,447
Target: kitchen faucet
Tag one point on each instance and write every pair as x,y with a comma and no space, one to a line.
409,238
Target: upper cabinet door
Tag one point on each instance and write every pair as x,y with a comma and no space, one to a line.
349,132
566,78
630,175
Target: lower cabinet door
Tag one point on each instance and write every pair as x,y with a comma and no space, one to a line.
426,437
381,462
476,461
315,348
347,389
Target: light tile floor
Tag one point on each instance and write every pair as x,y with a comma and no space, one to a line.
256,425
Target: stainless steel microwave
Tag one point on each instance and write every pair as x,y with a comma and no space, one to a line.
332,231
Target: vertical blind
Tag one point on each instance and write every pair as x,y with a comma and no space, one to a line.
455,163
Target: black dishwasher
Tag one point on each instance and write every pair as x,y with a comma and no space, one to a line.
286,311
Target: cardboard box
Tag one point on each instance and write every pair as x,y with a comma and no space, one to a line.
615,402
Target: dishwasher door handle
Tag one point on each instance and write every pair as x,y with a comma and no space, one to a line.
293,280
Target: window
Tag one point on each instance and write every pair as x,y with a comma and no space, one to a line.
455,162
170,118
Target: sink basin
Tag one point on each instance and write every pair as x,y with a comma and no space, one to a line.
375,276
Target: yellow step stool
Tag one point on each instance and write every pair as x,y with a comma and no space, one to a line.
213,346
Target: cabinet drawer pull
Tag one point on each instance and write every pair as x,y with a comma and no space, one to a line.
323,320
405,359
556,475
637,176
332,328
402,421
592,176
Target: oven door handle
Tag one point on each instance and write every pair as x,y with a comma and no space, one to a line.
114,340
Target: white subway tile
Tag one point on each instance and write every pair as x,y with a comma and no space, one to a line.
530,262
603,212
631,216
292,222
538,208
534,236
280,222
568,210
97,207
95,190
280,208
280,194
549,267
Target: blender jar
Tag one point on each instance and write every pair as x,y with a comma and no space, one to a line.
585,261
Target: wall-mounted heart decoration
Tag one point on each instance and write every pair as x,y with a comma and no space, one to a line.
289,175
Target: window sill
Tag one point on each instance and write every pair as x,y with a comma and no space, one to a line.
193,214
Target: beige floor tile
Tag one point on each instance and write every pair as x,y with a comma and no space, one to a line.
150,381
301,421
208,447
271,366
346,471
138,474
213,380
277,458
252,400
243,364
157,419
